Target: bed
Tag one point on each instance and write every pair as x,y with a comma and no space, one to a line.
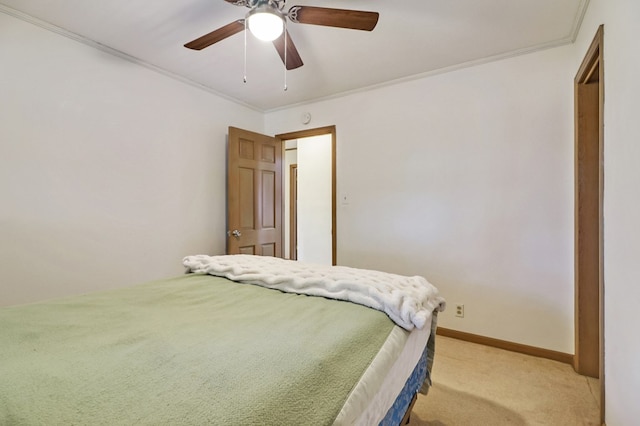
239,340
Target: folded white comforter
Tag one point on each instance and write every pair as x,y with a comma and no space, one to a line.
408,301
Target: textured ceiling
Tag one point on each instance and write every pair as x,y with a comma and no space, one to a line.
412,38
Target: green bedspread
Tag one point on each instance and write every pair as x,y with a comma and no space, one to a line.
194,350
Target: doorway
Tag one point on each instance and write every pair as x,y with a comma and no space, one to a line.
310,201
589,185
256,194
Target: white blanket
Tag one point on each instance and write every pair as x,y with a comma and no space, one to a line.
408,301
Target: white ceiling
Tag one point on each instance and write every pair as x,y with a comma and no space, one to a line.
412,38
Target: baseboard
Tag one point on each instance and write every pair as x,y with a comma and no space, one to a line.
509,346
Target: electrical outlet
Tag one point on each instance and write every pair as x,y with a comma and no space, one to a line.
460,311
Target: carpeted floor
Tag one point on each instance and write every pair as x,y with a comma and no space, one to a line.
479,385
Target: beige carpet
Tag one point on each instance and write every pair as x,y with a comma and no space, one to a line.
479,385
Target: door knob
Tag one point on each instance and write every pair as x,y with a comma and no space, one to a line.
236,233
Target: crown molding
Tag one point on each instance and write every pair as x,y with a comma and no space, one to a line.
569,39
88,42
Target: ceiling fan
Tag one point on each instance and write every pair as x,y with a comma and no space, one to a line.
266,20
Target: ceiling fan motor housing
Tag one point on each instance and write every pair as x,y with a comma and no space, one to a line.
275,4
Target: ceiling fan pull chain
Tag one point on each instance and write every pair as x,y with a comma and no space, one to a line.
245,51
284,34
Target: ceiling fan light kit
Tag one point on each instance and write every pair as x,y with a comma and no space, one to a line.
265,22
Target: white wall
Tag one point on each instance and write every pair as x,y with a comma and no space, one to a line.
465,178
621,201
110,173
622,211
314,200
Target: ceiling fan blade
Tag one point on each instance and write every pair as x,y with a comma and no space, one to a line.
341,18
293,57
217,35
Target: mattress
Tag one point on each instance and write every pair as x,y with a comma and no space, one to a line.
383,382
200,349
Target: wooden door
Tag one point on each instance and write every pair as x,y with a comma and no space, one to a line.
293,212
589,283
589,217
254,194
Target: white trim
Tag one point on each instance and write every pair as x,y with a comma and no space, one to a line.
577,23
567,40
77,37
570,39
485,60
